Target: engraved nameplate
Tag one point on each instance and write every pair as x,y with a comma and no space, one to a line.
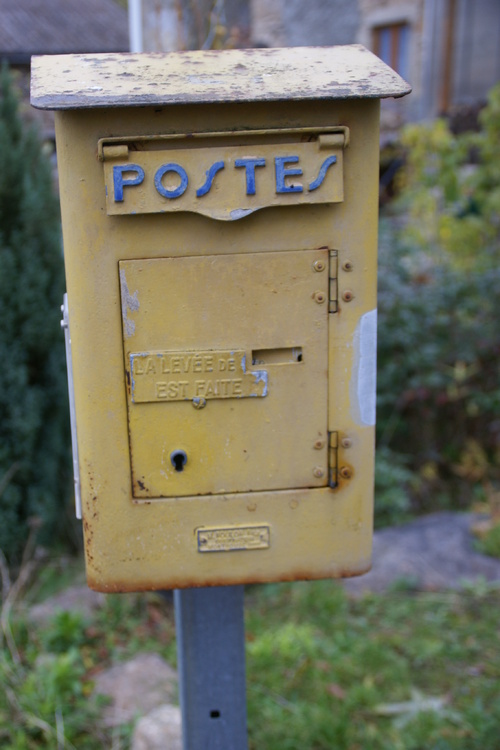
233,538
192,376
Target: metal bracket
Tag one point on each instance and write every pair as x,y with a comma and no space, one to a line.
72,412
117,147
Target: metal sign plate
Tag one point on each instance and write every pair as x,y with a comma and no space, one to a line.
194,376
223,182
233,538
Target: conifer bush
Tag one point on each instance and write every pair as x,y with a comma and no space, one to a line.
34,455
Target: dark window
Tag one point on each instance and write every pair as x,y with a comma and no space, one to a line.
392,44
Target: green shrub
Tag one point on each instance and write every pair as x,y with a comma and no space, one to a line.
438,384
34,460
393,482
451,188
439,306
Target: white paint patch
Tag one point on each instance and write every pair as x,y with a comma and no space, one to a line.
240,213
363,386
129,302
261,376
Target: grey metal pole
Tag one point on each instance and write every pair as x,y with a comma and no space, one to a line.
211,663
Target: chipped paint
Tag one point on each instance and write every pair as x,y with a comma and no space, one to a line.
266,75
261,376
363,385
129,302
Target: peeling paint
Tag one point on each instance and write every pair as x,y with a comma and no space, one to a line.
228,75
262,376
363,385
129,302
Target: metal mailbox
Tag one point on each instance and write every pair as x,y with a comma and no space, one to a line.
220,230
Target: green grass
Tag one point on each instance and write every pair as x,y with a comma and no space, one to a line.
399,671
47,672
419,671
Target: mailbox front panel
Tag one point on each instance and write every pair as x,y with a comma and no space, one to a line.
223,352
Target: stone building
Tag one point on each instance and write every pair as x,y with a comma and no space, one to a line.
31,27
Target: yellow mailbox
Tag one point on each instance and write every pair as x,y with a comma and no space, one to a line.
220,232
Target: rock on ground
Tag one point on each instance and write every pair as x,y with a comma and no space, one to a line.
74,599
159,730
432,553
136,688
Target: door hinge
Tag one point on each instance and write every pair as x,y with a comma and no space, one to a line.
333,294
115,151
338,138
333,438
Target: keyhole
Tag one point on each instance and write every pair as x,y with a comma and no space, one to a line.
179,460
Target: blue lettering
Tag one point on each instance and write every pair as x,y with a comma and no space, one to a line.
281,173
210,173
176,192
322,173
119,183
250,165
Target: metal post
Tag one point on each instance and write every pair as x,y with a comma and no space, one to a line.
211,664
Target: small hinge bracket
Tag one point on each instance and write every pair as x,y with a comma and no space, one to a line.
338,139
333,293
113,151
333,439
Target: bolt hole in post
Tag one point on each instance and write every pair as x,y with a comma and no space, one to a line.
179,460
215,714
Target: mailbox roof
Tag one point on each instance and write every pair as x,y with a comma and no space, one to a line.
203,77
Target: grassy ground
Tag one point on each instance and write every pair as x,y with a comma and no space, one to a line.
412,671
401,670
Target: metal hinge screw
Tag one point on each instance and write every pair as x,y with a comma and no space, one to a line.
319,297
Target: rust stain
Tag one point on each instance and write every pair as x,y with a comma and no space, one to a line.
300,574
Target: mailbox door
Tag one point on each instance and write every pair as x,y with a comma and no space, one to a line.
226,360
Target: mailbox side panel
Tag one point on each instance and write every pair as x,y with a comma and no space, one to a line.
286,534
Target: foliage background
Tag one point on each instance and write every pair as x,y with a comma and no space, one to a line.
439,306
34,455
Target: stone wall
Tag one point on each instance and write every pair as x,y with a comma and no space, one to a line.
295,23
